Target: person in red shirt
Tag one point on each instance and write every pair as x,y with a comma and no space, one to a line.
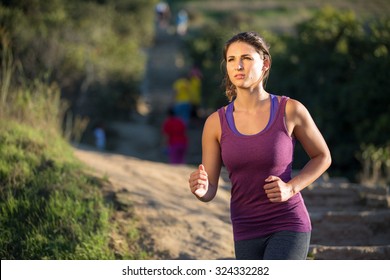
175,131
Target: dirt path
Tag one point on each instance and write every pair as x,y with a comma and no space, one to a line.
176,221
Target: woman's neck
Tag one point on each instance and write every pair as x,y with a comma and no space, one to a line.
250,99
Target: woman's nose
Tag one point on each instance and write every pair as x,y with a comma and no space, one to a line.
239,65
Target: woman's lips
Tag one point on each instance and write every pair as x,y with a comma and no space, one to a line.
239,76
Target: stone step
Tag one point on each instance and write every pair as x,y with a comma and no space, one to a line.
351,228
320,252
333,196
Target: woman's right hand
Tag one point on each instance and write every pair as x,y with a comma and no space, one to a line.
199,182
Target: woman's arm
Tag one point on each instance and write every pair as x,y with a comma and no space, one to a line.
301,125
203,182
307,133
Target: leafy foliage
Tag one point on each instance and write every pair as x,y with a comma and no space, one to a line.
337,67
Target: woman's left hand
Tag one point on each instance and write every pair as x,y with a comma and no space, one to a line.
277,190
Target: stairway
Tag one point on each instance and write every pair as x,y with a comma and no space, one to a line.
350,221
165,64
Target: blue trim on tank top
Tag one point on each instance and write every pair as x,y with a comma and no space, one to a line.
230,118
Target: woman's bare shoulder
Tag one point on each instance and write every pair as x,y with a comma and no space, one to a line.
213,123
296,112
213,118
294,106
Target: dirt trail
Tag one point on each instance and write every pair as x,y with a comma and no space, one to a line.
176,221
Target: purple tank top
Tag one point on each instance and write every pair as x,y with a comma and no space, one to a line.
250,159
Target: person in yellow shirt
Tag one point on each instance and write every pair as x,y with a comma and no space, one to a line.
182,105
195,90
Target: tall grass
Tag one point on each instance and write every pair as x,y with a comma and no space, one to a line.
6,67
34,102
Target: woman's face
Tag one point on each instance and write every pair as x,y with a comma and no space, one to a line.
244,65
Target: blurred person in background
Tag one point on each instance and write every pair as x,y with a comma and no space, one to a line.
100,136
195,89
182,102
176,139
182,22
163,13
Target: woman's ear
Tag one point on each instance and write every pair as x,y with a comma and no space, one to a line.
266,64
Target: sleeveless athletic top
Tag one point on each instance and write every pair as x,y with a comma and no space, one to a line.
250,159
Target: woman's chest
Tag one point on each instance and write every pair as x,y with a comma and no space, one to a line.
266,150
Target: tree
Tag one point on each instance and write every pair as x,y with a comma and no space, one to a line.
81,45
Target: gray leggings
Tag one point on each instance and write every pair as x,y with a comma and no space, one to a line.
282,245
